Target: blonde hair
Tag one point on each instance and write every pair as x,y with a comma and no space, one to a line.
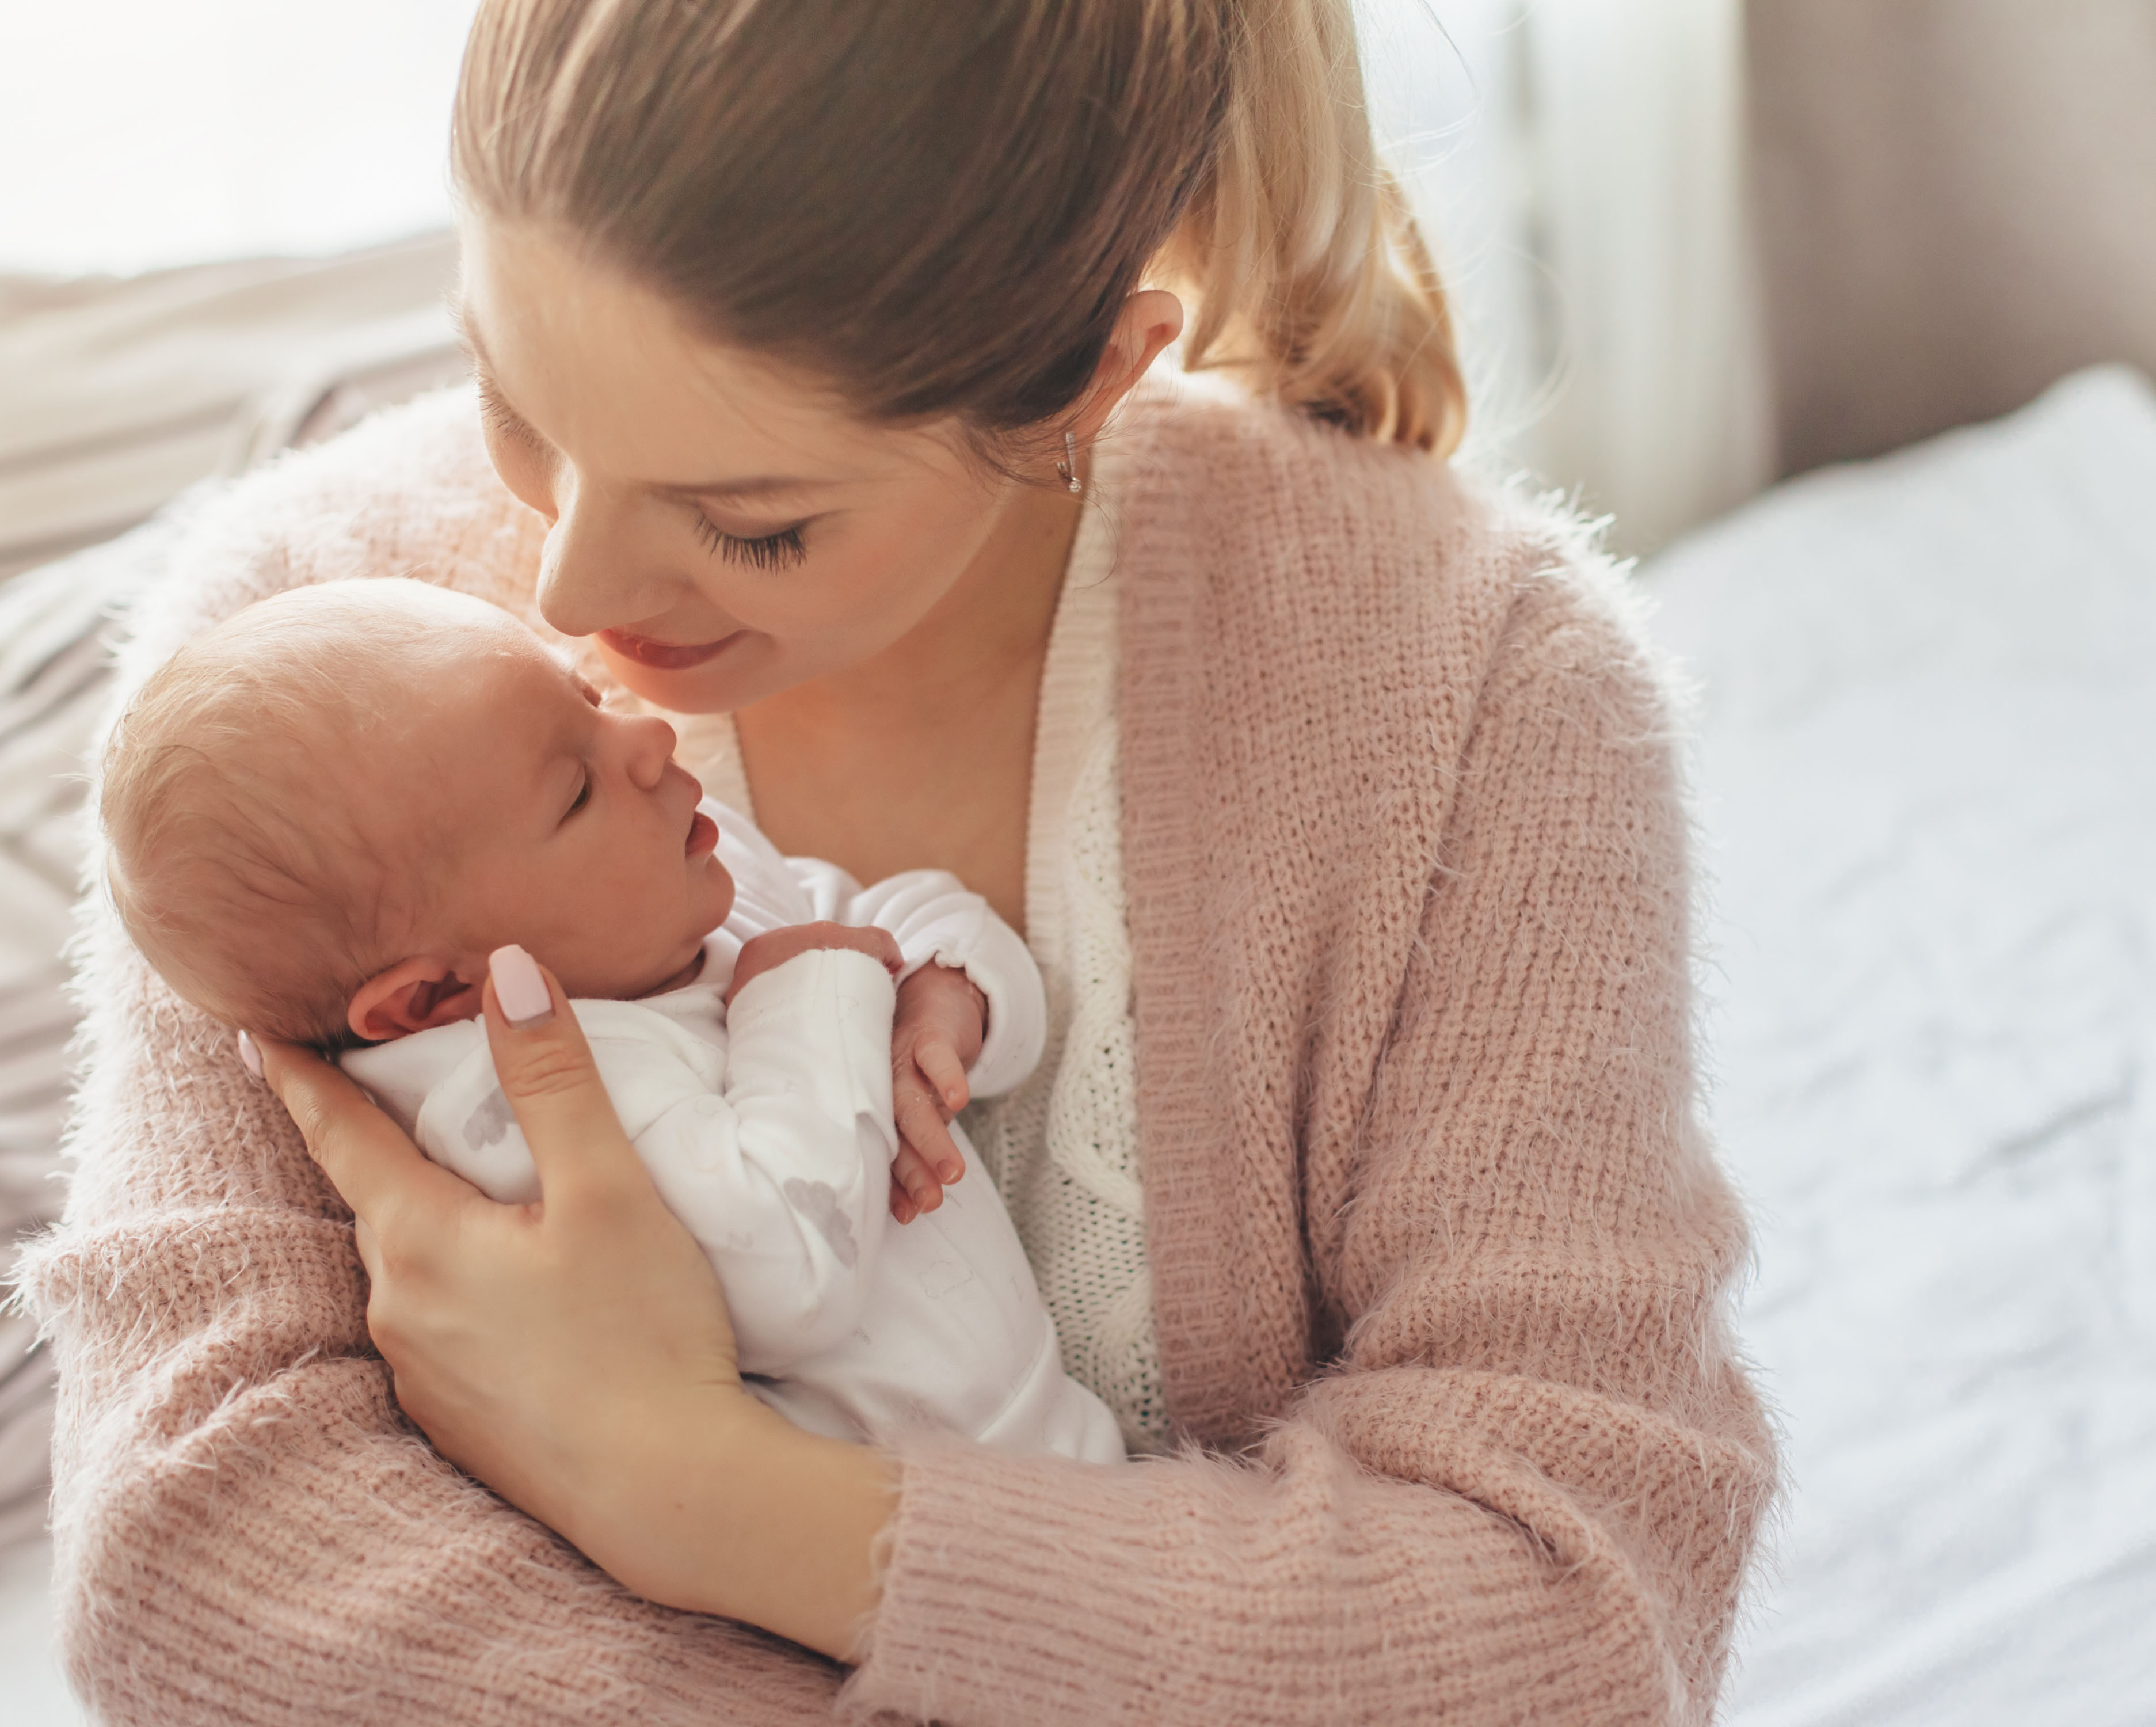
940,206
233,858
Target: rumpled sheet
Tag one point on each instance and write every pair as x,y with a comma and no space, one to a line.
1927,764
117,395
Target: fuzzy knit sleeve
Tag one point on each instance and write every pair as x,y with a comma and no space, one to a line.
246,1530
1515,1472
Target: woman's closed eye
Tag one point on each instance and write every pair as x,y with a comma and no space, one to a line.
779,551
504,418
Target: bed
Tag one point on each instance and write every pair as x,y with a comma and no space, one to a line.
1928,801
1928,822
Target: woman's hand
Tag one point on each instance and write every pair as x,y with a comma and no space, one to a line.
575,1353
937,1034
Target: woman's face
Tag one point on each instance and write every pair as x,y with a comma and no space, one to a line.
724,529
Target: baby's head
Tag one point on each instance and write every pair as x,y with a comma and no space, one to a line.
322,815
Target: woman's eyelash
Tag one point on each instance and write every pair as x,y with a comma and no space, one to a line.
504,418
771,552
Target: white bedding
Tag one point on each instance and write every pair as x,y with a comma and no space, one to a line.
1930,807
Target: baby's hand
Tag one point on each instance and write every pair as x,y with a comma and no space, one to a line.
941,1020
767,952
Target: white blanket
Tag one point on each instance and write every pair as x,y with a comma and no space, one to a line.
1930,802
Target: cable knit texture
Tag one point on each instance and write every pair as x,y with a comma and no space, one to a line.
1440,1255
1063,1147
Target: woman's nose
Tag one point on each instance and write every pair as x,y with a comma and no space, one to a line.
593,574
650,747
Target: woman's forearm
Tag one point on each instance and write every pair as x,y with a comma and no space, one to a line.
577,1356
727,1508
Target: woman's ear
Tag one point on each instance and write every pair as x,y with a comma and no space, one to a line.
413,995
1150,320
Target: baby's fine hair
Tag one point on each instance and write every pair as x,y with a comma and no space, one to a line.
231,850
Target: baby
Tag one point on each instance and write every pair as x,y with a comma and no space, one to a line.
323,816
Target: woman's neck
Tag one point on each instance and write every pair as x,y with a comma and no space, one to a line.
995,618
921,757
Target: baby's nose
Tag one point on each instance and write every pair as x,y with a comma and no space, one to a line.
650,750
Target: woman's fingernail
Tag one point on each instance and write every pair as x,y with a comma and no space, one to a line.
950,1172
519,986
250,1057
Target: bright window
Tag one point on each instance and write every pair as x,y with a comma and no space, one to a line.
141,133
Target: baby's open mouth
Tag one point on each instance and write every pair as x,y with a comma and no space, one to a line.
703,836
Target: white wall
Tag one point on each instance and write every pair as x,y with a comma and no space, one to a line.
1578,161
136,133
1579,165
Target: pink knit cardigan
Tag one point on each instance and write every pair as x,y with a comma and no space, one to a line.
1440,1254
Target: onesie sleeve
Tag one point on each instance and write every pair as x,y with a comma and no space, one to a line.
783,1173
786,1176
776,1154
936,920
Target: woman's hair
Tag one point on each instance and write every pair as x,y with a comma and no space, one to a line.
939,206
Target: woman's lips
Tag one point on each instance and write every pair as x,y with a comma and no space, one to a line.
703,836
663,655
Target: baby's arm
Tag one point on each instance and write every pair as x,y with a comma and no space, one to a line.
783,1178
936,920
973,1025
769,951
777,1158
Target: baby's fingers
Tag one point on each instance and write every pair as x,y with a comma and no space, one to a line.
922,1127
914,1188
939,1066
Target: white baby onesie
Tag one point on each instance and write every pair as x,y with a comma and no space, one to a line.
768,1130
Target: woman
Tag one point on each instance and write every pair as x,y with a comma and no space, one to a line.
1334,795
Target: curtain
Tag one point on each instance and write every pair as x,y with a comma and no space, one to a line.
1580,166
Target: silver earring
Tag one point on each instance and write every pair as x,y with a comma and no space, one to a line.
1066,470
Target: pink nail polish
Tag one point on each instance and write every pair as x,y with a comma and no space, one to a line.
519,987
250,1057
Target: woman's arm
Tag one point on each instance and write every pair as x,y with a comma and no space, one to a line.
247,1528
575,1354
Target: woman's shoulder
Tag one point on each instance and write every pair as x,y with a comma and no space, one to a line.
407,492
1320,554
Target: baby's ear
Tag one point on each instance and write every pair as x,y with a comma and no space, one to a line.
412,995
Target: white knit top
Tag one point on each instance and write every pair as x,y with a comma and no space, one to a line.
1062,1149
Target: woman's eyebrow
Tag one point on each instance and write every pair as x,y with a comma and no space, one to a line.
761,486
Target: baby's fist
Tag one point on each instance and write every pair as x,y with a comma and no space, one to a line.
769,952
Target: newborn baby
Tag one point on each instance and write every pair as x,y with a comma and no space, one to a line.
323,816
